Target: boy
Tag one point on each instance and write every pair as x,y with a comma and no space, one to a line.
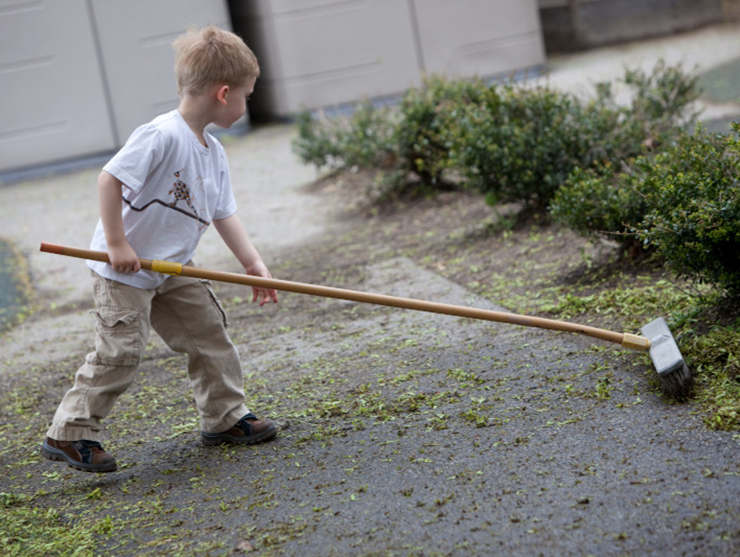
157,196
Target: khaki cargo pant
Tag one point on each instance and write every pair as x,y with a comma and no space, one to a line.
187,315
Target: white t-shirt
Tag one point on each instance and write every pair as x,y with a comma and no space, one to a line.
173,188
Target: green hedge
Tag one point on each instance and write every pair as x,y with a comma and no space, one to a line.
519,145
694,225
525,145
365,139
512,142
405,144
600,202
628,172
683,204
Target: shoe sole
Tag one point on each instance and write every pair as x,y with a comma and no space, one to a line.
56,454
210,439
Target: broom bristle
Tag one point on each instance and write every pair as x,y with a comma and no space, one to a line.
677,384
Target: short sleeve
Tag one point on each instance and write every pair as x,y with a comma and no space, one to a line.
226,203
143,151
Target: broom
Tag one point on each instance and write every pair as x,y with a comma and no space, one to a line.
675,377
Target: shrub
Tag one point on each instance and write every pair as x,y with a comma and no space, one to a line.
694,224
601,203
524,147
683,204
427,113
314,144
365,138
513,143
402,142
519,145
663,99
608,194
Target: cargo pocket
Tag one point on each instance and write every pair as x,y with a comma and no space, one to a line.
117,341
216,302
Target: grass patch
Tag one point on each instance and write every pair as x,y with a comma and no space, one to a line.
712,351
16,292
30,531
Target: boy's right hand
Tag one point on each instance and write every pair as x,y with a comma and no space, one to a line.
123,259
122,256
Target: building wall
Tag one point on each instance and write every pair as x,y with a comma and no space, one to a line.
51,84
77,76
569,25
319,53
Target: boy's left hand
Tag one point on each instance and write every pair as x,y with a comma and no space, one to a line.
262,295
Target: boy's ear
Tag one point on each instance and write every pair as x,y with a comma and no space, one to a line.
221,93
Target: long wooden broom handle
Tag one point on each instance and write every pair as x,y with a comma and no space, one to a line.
627,340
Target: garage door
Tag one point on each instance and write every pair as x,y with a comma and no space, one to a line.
53,105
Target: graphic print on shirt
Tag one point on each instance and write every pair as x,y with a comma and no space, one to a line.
181,192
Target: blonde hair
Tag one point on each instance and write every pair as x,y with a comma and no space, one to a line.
209,56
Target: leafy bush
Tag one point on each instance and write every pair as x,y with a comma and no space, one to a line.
513,143
599,202
694,224
664,98
427,113
606,194
683,204
365,138
525,147
520,145
398,141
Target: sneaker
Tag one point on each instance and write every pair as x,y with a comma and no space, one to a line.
84,455
247,431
